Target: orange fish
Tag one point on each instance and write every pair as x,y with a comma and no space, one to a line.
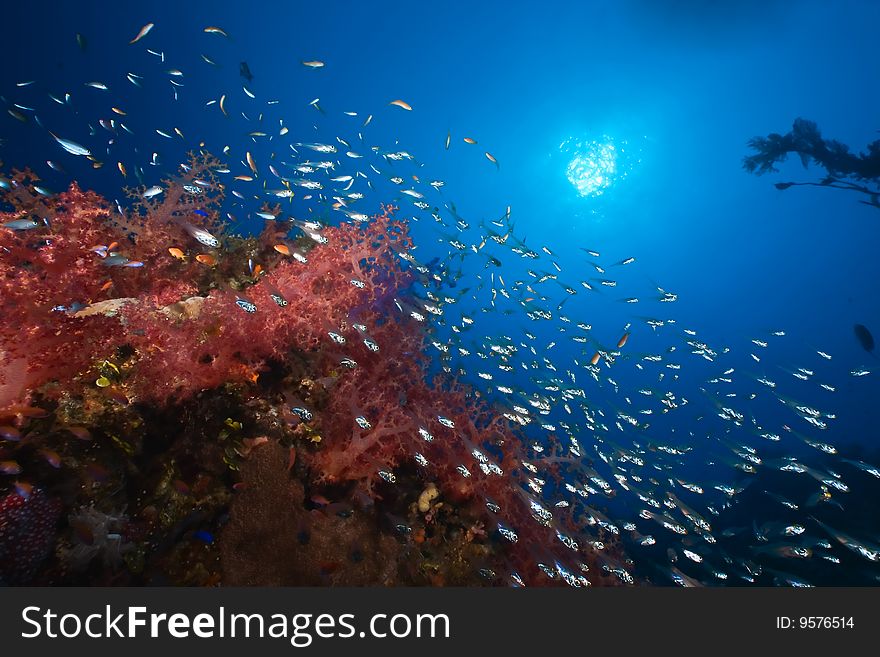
258,269
622,341
106,286
80,432
53,458
24,489
401,104
9,467
177,253
24,411
206,259
595,358
282,249
10,433
469,140
144,31
253,376
211,29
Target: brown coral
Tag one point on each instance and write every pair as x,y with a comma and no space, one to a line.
272,539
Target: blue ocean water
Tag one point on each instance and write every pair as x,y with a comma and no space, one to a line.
678,87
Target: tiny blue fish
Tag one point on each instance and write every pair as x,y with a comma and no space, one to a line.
303,413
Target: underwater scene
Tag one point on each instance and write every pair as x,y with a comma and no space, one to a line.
440,294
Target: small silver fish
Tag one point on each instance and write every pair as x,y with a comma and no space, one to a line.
200,235
71,146
117,260
21,224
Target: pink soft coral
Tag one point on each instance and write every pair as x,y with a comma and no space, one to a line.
50,272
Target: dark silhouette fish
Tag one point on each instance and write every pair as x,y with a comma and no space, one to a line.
864,337
245,71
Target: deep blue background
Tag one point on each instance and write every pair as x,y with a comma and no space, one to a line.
686,86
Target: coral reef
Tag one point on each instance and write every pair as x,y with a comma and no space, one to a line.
155,362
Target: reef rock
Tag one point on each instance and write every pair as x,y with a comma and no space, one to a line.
272,539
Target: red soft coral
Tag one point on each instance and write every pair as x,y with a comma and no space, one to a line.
52,272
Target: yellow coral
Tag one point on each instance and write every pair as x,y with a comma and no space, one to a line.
428,495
